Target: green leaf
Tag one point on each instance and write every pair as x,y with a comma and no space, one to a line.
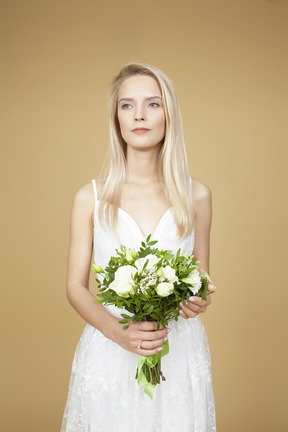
150,309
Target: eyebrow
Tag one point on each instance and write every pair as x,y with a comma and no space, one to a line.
148,98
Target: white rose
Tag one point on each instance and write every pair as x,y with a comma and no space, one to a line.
169,274
164,289
194,280
152,261
123,283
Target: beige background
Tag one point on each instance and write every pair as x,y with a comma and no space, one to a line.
228,60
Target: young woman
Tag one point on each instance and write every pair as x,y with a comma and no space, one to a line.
147,190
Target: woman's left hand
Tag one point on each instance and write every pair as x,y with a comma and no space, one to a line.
196,305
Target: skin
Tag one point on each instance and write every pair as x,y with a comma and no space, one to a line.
140,106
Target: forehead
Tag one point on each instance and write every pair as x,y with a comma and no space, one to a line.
139,86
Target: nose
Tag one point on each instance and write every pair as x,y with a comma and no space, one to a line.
139,115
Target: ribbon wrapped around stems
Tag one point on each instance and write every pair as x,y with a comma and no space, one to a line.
149,370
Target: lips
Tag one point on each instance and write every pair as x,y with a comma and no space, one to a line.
140,130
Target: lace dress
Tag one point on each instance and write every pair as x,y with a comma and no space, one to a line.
103,393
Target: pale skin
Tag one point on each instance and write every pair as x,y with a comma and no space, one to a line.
140,106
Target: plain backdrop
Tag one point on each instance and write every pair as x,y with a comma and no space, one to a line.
228,61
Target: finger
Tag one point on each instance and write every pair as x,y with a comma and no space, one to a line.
150,352
211,287
195,308
189,312
183,315
149,345
152,335
192,307
198,301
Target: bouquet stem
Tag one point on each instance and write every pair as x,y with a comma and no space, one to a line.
149,370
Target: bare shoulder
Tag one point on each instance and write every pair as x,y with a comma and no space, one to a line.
200,191
201,197
84,200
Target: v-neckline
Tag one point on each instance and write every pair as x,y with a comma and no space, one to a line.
144,236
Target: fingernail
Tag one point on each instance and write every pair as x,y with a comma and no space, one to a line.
192,299
168,330
159,349
166,337
181,304
181,312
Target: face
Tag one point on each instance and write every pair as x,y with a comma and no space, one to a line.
141,112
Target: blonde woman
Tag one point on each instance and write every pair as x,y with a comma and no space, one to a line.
147,190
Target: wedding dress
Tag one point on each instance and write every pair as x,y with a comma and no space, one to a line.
103,393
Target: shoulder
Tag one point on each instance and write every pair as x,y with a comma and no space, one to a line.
85,197
201,196
84,201
200,191
85,194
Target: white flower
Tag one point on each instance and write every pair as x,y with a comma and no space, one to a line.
194,280
152,261
169,274
164,289
123,283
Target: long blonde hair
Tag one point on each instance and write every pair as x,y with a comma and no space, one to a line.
172,162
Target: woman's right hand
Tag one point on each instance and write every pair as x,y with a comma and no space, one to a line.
140,334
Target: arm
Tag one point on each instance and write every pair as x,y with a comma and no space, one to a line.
202,205
79,265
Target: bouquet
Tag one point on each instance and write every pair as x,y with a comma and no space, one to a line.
150,284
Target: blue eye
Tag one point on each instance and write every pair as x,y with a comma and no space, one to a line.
154,103
124,106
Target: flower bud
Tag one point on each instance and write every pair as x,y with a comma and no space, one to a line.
97,269
129,255
160,272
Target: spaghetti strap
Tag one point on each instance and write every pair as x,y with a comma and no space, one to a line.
95,189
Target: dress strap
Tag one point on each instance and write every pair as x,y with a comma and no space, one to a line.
95,189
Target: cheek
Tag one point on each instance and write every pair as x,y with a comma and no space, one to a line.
162,123
121,120
119,117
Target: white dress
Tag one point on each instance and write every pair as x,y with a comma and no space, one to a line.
103,393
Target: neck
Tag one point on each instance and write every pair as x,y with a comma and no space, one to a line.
142,166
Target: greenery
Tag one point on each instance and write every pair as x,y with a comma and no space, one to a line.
150,284
147,305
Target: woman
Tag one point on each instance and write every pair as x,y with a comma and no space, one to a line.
147,190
